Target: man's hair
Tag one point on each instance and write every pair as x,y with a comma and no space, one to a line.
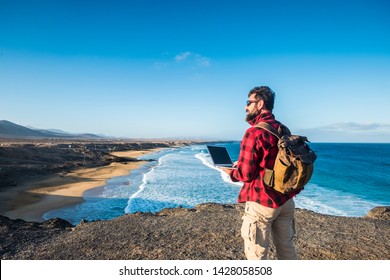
266,94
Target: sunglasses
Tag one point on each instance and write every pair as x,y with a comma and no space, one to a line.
249,102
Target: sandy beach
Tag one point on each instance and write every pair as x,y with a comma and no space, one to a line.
36,195
56,191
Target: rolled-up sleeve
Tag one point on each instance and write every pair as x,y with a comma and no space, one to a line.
247,166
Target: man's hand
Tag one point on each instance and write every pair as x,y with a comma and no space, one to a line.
227,170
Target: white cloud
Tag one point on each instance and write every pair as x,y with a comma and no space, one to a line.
182,56
191,57
349,132
202,61
353,126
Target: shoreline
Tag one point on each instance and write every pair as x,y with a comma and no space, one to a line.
33,199
59,185
36,176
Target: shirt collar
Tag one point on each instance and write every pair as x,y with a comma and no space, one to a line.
264,117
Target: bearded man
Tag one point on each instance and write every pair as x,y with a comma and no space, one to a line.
266,210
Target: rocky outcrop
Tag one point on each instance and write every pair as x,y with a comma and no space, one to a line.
380,212
209,231
19,162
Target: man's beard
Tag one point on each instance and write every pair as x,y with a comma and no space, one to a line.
252,116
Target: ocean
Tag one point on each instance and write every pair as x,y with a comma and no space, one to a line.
349,180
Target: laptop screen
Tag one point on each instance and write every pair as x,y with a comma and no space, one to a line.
220,156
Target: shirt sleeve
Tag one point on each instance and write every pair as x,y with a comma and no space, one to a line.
248,161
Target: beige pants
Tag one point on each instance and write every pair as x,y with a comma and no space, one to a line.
260,221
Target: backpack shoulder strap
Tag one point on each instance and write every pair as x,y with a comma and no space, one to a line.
283,130
269,128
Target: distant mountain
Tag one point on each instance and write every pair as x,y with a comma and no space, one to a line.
12,130
56,131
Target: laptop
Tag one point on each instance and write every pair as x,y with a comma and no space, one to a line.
220,156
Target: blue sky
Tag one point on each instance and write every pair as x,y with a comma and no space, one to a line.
156,69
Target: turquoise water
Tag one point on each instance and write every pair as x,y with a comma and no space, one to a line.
349,180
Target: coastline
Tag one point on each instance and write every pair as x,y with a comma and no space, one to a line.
35,179
45,190
34,198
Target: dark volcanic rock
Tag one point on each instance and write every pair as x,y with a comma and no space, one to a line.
210,231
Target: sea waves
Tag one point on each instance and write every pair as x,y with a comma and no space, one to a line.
185,177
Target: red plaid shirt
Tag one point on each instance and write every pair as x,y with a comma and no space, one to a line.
258,151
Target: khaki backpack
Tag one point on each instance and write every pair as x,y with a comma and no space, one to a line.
294,163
